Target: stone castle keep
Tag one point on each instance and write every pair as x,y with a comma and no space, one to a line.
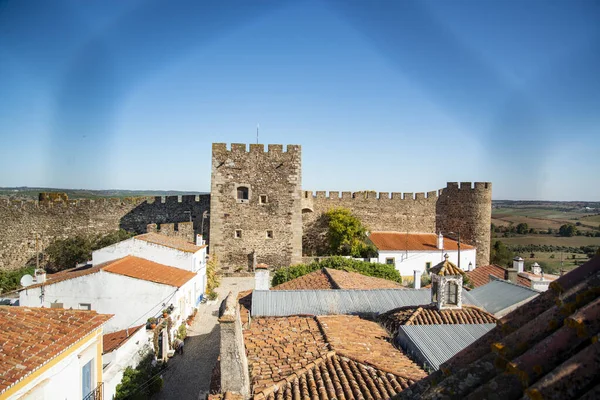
256,212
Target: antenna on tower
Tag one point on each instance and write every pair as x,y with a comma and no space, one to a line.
257,126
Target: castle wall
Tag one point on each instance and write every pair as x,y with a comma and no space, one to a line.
275,174
62,218
403,212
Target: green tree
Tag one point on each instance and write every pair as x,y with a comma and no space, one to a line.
11,280
140,383
522,228
346,235
567,230
501,255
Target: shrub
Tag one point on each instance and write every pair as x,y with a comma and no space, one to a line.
212,279
346,235
11,280
142,382
346,264
182,331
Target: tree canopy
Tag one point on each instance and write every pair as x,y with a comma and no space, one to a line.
346,235
567,230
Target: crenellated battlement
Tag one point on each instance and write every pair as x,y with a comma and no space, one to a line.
469,186
369,195
240,148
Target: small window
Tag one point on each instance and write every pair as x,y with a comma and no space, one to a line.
242,193
269,234
451,293
238,233
56,305
390,261
263,199
85,306
427,266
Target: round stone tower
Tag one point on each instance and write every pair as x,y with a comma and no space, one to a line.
467,209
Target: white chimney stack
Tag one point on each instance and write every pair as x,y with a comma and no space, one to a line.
440,241
417,276
518,264
199,240
261,277
536,269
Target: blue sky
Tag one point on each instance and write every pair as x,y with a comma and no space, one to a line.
386,96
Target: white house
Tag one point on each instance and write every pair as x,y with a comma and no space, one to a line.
50,354
131,288
122,349
410,252
172,251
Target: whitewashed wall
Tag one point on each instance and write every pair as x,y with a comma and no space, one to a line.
153,252
131,300
63,380
128,355
407,262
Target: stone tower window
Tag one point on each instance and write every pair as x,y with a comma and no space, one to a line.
242,193
263,199
269,234
238,233
451,293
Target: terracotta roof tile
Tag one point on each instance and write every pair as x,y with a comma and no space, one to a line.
446,268
114,340
314,280
169,241
481,275
368,343
430,315
140,268
548,348
412,241
68,274
30,337
353,280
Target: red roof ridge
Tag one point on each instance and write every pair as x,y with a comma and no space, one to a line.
110,337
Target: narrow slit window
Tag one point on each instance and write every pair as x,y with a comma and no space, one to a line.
269,234
263,199
238,233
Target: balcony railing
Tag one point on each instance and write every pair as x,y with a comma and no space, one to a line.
96,394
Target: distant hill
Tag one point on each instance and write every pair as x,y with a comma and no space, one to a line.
32,193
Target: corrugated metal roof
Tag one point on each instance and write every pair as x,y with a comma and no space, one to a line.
499,295
280,303
432,345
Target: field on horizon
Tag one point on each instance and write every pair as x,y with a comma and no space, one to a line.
551,240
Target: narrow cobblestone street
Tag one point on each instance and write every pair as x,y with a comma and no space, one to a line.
188,375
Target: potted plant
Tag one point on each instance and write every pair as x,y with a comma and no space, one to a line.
165,313
151,323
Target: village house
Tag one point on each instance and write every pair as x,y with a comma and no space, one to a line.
122,349
413,254
132,288
534,279
51,354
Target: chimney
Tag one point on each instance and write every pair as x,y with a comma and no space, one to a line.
470,266
417,275
440,241
234,364
518,264
536,269
199,240
261,277
40,275
511,275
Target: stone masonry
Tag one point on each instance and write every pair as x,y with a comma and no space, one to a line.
276,224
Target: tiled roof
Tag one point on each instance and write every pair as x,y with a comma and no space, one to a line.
169,241
481,275
354,280
548,348
314,280
140,268
114,340
446,268
334,377
277,346
31,337
68,274
328,278
331,357
528,276
430,315
412,241
368,343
